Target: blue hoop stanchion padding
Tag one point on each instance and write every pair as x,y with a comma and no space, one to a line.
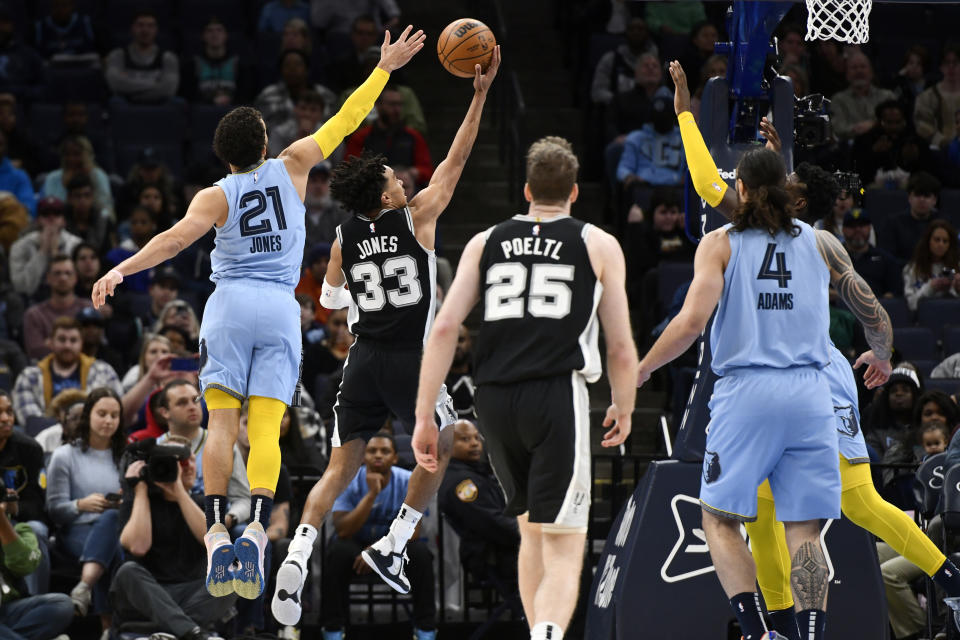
655,578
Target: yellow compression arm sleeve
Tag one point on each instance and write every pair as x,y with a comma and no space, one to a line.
352,113
706,178
219,399
768,543
263,431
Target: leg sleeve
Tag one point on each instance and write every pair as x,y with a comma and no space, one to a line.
263,430
768,543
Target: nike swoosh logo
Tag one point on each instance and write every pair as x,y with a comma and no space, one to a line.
396,566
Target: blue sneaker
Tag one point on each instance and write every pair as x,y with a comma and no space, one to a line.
422,634
248,581
220,557
332,635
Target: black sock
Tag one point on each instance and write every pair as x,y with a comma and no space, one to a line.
746,606
813,622
947,578
784,622
216,508
260,508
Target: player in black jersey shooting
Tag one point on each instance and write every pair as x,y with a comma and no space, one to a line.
543,278
384,254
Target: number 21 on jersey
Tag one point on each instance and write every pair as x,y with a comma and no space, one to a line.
548,295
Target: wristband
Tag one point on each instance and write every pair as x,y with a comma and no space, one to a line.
116,272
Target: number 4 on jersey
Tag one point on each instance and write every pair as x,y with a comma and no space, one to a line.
767,272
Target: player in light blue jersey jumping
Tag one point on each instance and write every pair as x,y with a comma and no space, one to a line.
250,336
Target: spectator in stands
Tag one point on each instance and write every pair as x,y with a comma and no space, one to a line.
31,256
801,81
327,356
854,108
934,271
94,343
154,348
828,68
277,13
630,110
180,344
337,16
22,616
361,515
212,75
412,112
88,220
714,67
880,269
276,101
149,170
142,72
890,415
77,159
86,262
22,459
312,331
178,313
66,368
162,530
792,47
83,486
142,227
40,318
22,150
703,36
934,109
472,501
459,379
141,395
157,200
936,408
877,154
900,234
306,118
658,235
297,451
674,18
21,68
311,282
653,155
65,33
350,65
179,404
324,214
616,70
389,136
66,408
15,181
14,219
913,78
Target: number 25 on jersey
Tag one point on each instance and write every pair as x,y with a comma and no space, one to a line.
548,295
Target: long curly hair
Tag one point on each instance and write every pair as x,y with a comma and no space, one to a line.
769,204
118,440
923,260
358,183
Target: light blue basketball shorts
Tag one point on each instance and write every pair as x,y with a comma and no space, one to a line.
250,343
777,424
843,391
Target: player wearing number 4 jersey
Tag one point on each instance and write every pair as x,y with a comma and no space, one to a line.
250,335
543,280
384,256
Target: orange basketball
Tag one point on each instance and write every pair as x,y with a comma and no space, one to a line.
463,44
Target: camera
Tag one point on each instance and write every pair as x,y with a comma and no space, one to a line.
849,181
162,459
811,121
3,492
947,273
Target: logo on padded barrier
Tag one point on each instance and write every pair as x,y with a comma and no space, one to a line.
848,425
711,466
626,522
608,581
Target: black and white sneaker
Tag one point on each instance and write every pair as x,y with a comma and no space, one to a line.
291,576
389,565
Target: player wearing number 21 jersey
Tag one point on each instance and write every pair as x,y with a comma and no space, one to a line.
383,267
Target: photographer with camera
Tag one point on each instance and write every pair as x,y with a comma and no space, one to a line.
161,588
933,272
83,486
39,617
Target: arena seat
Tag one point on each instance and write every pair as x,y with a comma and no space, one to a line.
925,366
198,12
935,313
949,386
69,83
950,205
670,276
951,341
951,499
170,154
899,312
168,123
884,203
915,343
203,122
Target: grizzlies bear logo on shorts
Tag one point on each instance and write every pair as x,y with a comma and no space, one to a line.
711,467
847,423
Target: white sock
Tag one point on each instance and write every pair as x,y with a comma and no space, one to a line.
401,530
302,543
546,631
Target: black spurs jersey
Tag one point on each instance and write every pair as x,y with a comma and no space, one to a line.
539,296
391,277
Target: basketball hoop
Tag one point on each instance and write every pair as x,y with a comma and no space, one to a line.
844,20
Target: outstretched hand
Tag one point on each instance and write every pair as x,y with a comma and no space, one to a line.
425,441
878,371
482,81
394,55
681,92
619,424
104,287
770,133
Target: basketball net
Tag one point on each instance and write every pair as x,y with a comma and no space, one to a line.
844,20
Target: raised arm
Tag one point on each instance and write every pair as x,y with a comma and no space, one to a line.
859,298
208,207
303,154
427,205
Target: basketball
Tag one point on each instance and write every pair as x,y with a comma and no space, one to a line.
463,44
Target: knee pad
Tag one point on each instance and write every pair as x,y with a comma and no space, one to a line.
219,399
263,430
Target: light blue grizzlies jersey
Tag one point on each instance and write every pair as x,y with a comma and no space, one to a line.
774,308
264,233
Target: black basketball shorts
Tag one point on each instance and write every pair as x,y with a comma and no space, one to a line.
380,380
537,433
